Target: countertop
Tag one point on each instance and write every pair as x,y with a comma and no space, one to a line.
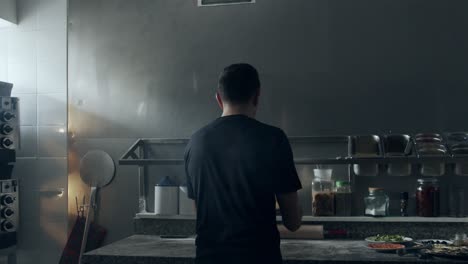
152,249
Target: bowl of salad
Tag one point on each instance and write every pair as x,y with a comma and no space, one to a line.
388,239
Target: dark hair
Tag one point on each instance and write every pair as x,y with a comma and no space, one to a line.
238,83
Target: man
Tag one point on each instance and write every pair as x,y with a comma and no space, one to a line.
236,167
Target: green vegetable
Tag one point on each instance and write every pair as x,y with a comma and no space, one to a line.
389,238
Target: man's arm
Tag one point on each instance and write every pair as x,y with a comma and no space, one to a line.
291,210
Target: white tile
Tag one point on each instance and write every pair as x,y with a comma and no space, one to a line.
27,14
52,109
52,13
23,76
52,44
28,141
52,141
52,76
21,46
28,108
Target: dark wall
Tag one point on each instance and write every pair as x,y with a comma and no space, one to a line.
148,68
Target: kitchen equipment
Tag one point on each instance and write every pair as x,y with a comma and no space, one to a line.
323,199
9,213
422,136
432,168
343,198
9,125
398,146
186,205
377,202
5,89
366,146
428,198
460,149
166,197
97,169
404,204
456,201
457,137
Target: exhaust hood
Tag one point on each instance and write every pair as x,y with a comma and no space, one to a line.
7,13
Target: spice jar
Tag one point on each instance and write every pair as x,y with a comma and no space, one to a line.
377,202
323,197
428,198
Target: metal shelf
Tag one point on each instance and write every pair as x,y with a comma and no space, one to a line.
321,219
135,155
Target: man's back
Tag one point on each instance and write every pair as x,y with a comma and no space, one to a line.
234,167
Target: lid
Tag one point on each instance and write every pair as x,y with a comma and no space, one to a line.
404,195
342,184
428,180
458,136
375,189
166,182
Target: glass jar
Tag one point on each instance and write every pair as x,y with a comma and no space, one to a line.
343,198
377,202
428,198
323,197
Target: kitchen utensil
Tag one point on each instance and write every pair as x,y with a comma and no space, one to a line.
166,197
398,146
432,168
366,146
420,136
5,89
97,169
458,137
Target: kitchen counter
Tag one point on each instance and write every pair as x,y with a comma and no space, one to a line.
144,249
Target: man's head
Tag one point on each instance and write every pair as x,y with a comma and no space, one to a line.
238,87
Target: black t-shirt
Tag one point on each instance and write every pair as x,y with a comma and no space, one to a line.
234,167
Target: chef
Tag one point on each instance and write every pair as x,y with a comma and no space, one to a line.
236,168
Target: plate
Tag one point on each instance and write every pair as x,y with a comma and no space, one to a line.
373,241
435,241
384,247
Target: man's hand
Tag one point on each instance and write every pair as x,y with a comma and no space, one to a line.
291,210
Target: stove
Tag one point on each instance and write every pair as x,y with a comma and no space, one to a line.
9,213
9,188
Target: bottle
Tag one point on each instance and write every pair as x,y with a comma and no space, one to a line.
343,198
377,202
404,204
428,198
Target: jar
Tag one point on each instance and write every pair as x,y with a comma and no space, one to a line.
323,197
343,198
428,198
377,202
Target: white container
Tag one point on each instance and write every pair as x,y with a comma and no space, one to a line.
186,205
166,198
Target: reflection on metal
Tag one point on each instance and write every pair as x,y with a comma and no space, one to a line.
223,2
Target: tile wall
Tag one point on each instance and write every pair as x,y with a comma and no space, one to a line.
33,56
